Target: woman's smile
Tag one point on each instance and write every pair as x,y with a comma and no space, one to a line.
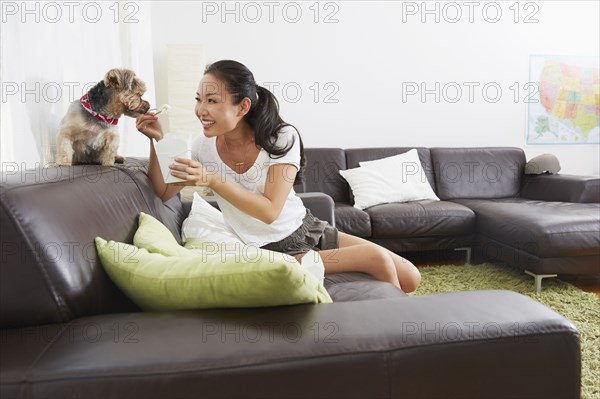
207,124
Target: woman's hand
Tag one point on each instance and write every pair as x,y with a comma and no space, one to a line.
149,125
193,172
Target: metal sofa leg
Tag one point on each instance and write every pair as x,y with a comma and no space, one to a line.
538,280
468,253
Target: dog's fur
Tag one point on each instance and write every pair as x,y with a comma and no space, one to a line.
84,139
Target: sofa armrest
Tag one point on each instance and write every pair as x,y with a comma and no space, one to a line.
320,204
479,344
564,188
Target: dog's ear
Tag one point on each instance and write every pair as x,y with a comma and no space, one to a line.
113,78
121,79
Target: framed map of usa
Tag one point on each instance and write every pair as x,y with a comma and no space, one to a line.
565,109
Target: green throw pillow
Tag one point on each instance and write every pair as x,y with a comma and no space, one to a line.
163,277
157,238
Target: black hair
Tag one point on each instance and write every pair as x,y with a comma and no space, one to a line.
263,116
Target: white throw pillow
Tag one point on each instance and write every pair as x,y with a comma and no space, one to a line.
206,222
399,178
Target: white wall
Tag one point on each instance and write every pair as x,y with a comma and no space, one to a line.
369,53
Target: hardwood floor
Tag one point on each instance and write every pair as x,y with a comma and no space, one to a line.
584,283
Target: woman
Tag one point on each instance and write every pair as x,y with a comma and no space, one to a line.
250,159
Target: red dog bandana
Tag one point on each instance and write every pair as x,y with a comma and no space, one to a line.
85,102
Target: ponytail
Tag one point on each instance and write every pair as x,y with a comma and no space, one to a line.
266,122
263,116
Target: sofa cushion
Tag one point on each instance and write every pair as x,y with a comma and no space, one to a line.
351,220
421,219
564,188
321,172
439,245
478,172
355,286
544,229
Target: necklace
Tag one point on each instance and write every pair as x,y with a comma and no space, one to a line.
237,164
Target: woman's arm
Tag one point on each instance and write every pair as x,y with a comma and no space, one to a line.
149,125
163,190
266,207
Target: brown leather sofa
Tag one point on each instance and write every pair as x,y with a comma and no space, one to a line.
68,331
544,224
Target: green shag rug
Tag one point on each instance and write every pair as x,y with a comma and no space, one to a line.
582,308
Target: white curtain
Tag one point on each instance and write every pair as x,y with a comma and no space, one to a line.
52,53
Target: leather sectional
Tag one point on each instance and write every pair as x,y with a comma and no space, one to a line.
545,224
68,331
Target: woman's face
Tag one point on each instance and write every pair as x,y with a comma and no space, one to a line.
215,109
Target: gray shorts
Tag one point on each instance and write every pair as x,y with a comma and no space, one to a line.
313,234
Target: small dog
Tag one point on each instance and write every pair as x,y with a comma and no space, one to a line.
88,132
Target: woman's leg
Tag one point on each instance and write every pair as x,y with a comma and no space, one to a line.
359,255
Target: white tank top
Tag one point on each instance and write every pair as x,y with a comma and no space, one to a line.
251,230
